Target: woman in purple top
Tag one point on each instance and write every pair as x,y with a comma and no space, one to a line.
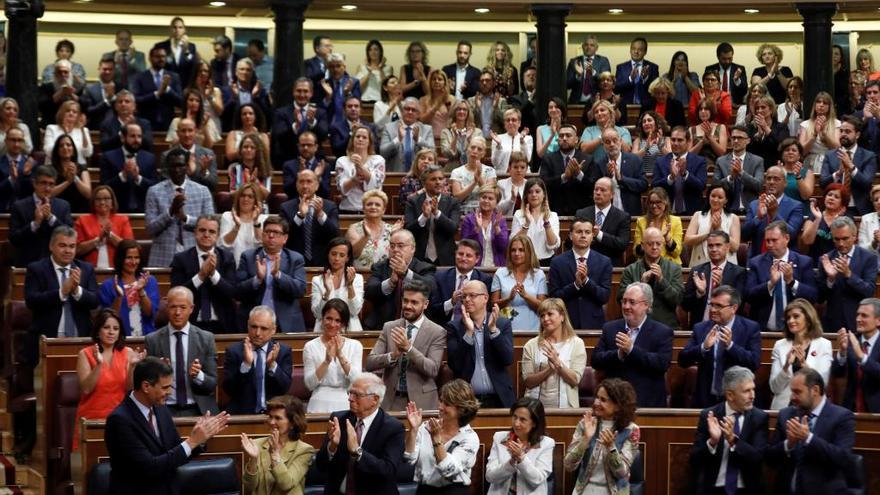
488,227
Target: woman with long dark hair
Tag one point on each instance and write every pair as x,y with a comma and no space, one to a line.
373,71
339,281
524,452
132,292
331,360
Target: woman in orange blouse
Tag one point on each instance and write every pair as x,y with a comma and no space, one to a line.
717,99
98,233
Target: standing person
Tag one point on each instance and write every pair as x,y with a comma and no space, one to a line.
464,78
732,75
316,67
851,165
133,293
467,180
437,104
98,97
446,299
718,270
771,73
331,360
611,225
519,287
582,278
371,237
71,122
313,220
716,101
652,140
521,460
771,206
582,73
633,77
414,74
742,171
681,173
857,358
537,221
661,274
567,173
373,71
129,170
15,169
241,226
512,188
685,82
433,218
339,281
102,230
820,133
292,121
488,228
140,434
332,91
402,139
716,216
158,90
455,137
32,219
76,186
499,63
182,54
128,60
112,134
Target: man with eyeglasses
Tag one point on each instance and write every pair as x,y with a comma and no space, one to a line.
662,275
847,275
130,170
402,139
33,218
293,120
708,276
636,348
681,173
309,157
741,170
364,445
384,288
870,115
15,169
724,340
771,206
480,348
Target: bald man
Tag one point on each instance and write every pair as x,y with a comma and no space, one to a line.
771,206
201,164
314,221
662,275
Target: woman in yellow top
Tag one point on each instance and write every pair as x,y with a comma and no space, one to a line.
277,464
659,216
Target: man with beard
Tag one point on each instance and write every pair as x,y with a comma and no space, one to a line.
733,76
130,171
488,106
464,78
62,88
851,165
710,275
98,97
124,113
742,171
870,116
340,129
566,172
201,163
309,157
682,174
157,91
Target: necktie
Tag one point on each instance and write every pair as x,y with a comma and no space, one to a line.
730,479
811,421
407,149
69,327
860,376
718,369
517,202
846,175
179,369
398,298
307,234
268,294
259,377
157,79
710,286
779,304
124,70
305,122
151,418
588,77
431,248
678,188
724,76
404,362
179,224
350,486
456,309
600,219
205,294
636,98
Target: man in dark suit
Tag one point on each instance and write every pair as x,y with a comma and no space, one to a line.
193,361
127,60
273,276
32,219
182,55
464,78
633,77
313,221
567,174
64,86
583,71
332,91
129,171
140,435
625,170
479,348
777,278
859,360
433,219
340,128
446,300
524,101
743,172
208,271
813,441
201,161
851,165
291,121
707,276
636,348
733,76
870,116
846,275
611,226
258,368
728,452
60,292
309,157
582,278
361,455
15,170
774,205
724,340
531,60
124,113
157,91
384,288
682,174
223,63
316,67
98,97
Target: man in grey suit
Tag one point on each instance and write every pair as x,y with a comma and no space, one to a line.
201,163
98,97
412,343
488,106
190,352
402,139
172,207
128,60
433,219
742,171
583,72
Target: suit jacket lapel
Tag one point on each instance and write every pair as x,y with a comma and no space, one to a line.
422,334
141,422
375,426
164,344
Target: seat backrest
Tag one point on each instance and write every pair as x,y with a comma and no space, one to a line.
444,376
67,400
210,476
587,388
298,387
99,479
855,475
275,201
636,475
222,201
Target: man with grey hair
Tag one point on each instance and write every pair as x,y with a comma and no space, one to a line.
858,359
847,274
402,139
636,348
245,89
364,445
258,368
60,291
583,72
292,120
191,353
660,273
33,218
64,86
433,218
332,91
730,440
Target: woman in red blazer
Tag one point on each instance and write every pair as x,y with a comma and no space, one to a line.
98,233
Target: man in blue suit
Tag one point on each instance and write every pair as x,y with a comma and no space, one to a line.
636,348
583,72
15,170
446,301
847,275
683,175
130,170
332,91
813,442
870,116
859,360
124,113
582,278
723,341
709,275
625,170
258,368
464,78
316,67
98,97
157,91
32,219
479,347
773,205
776,278
313,221
852,166
633,77
273,276
309,157
293,120
340,128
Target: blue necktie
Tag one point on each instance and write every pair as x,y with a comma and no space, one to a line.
404,362
157,80
779,304
268,299
259,378
730,478
69,329
600,219
307,234
718,371
636,98
407,149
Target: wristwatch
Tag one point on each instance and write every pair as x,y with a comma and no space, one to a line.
357,454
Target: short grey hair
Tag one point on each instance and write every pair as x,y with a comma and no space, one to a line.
375,385
245,61
873,302
262,309
336,57
62,230
735,297
411,99
407,233
647,292
734,376
303,79
63,63
844,221
182,290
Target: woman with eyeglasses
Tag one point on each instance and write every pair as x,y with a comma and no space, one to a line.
660,215
718,101
99,232
332,360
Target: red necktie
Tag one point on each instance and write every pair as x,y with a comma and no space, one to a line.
517,202
350,486
860,387
724,77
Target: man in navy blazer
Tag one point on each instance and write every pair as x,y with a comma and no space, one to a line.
157,91
851,165
316,67
611,235
567,174
626,172
340,128
723,341
259,367
479,348
636,348
273,276
309,157
368,467
124,113
586,66
32,219
682,174
182,55
847,274
309,212
582,278
776,278
60,292
772,206
290,121
813,441
129,171
731,437
633,77
713,273
469,82
15,170
433,217
143,443
734,79
858,359
98,97
446,300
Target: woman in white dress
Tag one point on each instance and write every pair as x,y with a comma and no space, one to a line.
359,170
71,121
716,217
467,180
512,140
523,452
340,281
240,227
371,73
869,228
802,347
539,223
388,110
820,133
331,361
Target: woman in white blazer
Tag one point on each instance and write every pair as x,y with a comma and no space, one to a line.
871,224
523,451
802,347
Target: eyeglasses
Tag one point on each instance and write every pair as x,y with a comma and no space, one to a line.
273,233
473,295
719,306
359,395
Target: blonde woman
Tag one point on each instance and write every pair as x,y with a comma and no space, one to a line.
437,103
820,133
745,113
519,288
332,360
467,179
554,361
771,73
659,215
499,62
9,119
253,166
865,65
869,228
360,170
241,226
455,137
802,346
70,120
537,221
411,183
591,138
371,237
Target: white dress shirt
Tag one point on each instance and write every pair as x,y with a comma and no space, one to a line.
76,293
725,454
172,343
